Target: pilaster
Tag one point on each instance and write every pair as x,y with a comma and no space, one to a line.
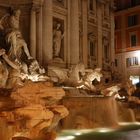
99,33
33,31
112,45
47,32
74,32
39,35
85,31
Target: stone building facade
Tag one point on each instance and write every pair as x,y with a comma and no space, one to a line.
127,37
65,32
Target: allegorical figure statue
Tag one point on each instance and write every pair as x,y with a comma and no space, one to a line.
15,56
57,39
9,24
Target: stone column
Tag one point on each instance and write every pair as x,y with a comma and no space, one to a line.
112,48
85,31
47,31
33,32
74,32
68,35
39,35
123,40
99,34
123,33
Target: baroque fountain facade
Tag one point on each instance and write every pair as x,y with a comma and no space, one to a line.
33,101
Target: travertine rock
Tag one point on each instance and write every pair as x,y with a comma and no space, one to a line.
33,108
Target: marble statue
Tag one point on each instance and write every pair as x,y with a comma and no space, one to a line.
6,65
13,36
57,39
77,76
18,68
89,78
69,77
31,98
35,71
111,91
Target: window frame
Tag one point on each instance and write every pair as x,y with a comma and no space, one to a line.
131,34
132,61
132,20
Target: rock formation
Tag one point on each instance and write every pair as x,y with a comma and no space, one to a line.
31,109
29,105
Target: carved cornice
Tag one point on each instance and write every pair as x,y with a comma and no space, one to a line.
101,1
38,2
36,5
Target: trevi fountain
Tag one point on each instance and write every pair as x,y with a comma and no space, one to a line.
57,103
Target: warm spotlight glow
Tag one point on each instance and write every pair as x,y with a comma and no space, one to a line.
104,130
60,138
78,133
81,86
129,123
65,138
117,96
137,53
134,79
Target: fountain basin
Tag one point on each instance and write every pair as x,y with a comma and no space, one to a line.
94,111
124,132
88,112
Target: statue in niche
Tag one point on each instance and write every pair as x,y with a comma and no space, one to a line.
57,40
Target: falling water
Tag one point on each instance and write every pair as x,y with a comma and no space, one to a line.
93,111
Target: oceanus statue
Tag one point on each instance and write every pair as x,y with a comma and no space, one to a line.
16,59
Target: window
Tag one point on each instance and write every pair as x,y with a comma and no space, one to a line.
92,49
116,62
132,61
134,2
106,52
132,20
116,24
106,48
91,5
92,52
133,40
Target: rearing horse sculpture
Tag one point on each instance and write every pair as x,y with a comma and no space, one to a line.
70,77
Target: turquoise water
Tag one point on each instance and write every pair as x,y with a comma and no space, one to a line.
124,132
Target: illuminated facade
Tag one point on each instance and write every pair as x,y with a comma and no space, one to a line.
87,28
127,37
